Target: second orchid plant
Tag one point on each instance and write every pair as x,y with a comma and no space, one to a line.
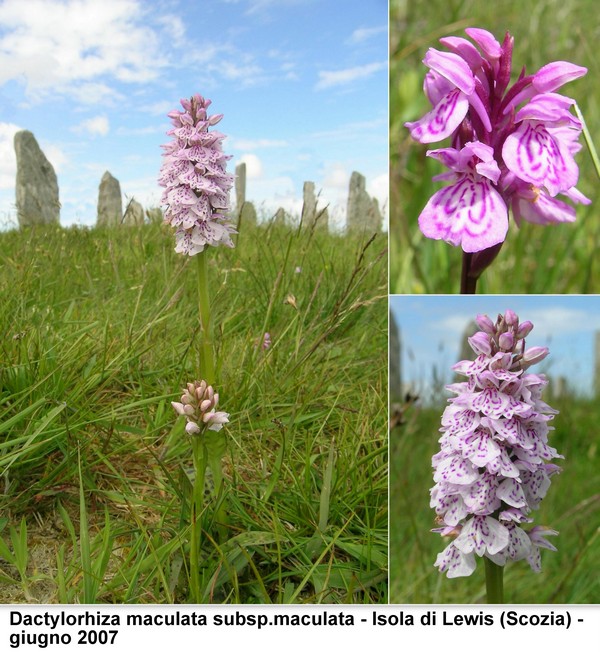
512,146
494,465
196,197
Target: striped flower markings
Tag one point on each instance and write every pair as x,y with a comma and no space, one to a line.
494,464
512,146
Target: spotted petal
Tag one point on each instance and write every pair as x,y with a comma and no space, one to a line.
470,213
455,562
482,534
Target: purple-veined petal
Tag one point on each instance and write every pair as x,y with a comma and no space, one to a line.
442,120
436,87
470,213
519,546
534,155
537,207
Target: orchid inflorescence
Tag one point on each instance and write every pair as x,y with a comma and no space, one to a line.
196,183
198,405
501,156
494,466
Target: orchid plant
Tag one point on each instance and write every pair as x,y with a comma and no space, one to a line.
196,197
512,146
494,466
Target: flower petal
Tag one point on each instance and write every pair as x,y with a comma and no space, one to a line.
482,534
470,213
442,120
534,155
455,562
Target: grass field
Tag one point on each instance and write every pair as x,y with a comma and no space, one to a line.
555,259
572,506
100,333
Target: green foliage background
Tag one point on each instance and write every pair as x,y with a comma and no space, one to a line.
100,333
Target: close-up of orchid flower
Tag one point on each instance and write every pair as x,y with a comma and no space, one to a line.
512,146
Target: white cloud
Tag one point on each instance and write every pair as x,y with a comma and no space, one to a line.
57,47
379,187
364,33
8,161
330,78
254,167
97,126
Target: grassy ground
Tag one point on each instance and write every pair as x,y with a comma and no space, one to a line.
99,333
572,506
555,259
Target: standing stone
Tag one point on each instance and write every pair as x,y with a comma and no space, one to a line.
309,203
134,214
110,203
362,212
280,217
36,185
323,218
374,218
240,187
394,362
155,215
245,211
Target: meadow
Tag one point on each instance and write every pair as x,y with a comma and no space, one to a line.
100,333
571,506
555,259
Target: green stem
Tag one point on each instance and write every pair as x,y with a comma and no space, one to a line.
494,582
200,462
207,363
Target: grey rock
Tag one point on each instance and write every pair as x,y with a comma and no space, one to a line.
309,203
240,186
110,203
134,214
362,213
36,184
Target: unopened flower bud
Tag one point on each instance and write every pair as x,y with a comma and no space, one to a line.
535,354
480,343
486,324
506,341
524,329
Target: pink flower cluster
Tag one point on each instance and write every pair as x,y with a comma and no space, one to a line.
198,406
195,180
502,156
494,466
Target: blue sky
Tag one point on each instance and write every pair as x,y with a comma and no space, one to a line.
432,327
302,84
